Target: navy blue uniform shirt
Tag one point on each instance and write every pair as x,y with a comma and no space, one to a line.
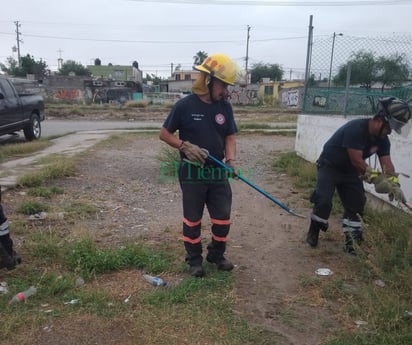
202,124
353,135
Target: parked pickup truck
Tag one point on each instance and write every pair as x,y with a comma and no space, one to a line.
20,111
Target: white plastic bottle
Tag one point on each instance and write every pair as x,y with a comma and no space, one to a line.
155,281
22,296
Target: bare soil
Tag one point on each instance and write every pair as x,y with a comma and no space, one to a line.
266,243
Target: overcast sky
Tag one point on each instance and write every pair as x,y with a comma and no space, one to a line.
158,34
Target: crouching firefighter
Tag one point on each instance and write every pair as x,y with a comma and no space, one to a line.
341,166
8,257
205,120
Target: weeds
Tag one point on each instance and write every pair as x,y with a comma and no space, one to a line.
62,167
386,255
31,207
22,149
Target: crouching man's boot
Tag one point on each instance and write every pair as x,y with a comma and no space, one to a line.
352,239
8,257
313,234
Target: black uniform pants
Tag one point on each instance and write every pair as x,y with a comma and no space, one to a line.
351,193
205,186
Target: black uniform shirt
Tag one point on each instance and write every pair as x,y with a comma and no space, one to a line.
203,124
353,135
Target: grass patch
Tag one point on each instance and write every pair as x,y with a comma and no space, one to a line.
81,210
85,257
31,207
152,312
253,125
61,167
169,164
22,149
45,192
385,255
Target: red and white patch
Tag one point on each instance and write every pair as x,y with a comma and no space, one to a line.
220,119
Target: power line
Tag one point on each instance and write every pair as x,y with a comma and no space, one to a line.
153,41
285,3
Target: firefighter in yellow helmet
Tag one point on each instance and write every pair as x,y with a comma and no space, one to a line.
205,120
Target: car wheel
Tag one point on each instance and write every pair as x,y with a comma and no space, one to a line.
33,130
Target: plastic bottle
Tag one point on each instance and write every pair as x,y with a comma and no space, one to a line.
22,296
155,281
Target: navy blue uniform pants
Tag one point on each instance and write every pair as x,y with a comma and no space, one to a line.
351,193
210,187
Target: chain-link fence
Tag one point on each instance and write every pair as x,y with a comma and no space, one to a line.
349,74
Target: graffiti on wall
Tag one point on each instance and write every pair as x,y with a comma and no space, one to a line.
241,95
291,97
68,94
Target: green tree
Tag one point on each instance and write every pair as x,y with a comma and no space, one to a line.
392,71
364,70
71,66
262,70
97,62
152,78
28,65
199,57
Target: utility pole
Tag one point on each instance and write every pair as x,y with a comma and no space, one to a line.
308,58
331,57
60,60
247,55
18,25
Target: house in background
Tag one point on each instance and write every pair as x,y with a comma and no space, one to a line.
116,72
287,93
181,81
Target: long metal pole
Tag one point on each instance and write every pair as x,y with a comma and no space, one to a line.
18,41
247,55
331,59
308,60
251,184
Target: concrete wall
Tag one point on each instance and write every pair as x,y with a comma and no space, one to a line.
314,130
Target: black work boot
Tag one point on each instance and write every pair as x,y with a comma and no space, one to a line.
196,271
352,239
215,251
222,263
8,257
194,259
313,234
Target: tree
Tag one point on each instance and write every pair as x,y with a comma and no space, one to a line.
28,65
363,70
366,70
392,71
152,78
199,57
97,62
261,70
71,66
135,64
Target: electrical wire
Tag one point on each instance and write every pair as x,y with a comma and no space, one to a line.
285,3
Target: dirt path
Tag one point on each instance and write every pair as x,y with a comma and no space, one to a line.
266,244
